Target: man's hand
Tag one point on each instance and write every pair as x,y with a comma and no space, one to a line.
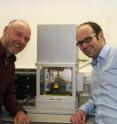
78,117
21,118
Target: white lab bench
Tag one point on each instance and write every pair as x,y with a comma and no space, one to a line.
47,119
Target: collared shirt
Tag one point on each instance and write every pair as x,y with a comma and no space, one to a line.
104,87
7,90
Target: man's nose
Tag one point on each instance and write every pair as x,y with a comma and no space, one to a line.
84,45
23,41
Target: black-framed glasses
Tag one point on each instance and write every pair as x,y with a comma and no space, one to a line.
86,40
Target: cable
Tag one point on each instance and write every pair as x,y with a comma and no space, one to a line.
84,65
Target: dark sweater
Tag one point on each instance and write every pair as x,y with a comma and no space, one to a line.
7,89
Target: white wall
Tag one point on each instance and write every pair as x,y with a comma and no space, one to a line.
58,12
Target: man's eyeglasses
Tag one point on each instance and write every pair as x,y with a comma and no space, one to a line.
86,40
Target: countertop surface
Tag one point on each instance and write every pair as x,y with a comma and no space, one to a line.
49,118
44,118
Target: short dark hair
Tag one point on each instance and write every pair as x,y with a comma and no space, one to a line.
96,27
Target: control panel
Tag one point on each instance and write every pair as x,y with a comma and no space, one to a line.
25,84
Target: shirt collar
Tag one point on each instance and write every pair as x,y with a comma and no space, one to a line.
102,55
104,51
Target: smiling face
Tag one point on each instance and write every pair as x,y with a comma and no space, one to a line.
16,37
89,43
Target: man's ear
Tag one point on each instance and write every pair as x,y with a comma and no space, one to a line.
5,30
101,36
